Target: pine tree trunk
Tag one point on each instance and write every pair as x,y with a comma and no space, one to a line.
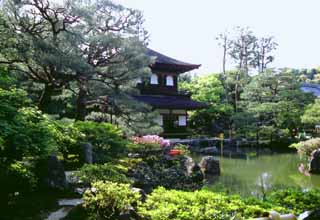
81,110
45,98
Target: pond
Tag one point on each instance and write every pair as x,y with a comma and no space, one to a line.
256,176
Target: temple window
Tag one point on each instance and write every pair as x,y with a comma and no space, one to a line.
139,80
159,120
169,81
154,79
182,120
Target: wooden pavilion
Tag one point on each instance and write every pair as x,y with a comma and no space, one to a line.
161,92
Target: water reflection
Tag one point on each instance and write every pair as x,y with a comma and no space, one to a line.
260,175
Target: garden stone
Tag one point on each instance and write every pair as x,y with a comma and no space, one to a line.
315,215
55,177
131,214
141,192
315,162
87,151
189,164
209,166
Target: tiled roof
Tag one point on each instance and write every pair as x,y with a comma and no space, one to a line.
171,102
164,62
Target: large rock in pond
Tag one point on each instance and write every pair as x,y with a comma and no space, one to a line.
209,166
315,162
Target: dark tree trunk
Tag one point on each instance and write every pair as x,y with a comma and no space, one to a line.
45,98
81,110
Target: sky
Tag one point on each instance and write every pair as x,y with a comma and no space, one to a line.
186,29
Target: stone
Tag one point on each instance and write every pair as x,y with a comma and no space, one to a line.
59,214
70,202
315,162
87,152
55,176
314,215
142,193
209,166
178,172
131,214
189,164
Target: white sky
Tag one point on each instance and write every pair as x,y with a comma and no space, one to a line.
186,29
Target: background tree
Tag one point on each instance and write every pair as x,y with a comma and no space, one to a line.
275,103
84,54
208,89
263,53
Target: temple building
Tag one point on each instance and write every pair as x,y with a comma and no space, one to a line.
161,92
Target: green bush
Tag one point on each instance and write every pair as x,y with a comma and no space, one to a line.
90,173
106,200
24,131
106,139
204,205
306,147
26,136
296,200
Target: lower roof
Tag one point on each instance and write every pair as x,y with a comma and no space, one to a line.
171,102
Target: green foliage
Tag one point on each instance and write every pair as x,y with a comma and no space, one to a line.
107,140
296,200
271,105
16,179
106,200
183,148
85,57
305,148
26,137
179,205
24,131
208,89
90,173
312,114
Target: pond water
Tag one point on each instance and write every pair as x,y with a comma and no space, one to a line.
256,176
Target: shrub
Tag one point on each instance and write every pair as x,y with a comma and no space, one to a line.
306,147
205,205
90,173
106,139
107,200
296,200
183,148
150,142
26,136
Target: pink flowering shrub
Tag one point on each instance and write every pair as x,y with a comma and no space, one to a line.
151,140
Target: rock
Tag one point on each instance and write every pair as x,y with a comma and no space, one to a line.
315,162
55,176
189,164
70,202
193,170
131,214
87,151
209,150
209,166
72,178
59,214
141,192
170,172
304,215
314,215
